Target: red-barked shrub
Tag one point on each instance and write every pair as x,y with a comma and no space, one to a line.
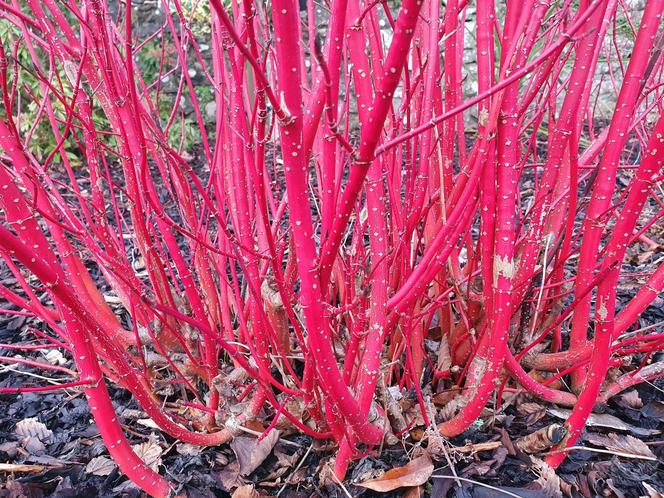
378,177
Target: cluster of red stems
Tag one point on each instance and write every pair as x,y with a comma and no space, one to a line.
345,214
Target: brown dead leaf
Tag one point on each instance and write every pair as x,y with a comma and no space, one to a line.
229,476
100,466
392,408
479,468
541,378
414,492
414,414
507,442
246,491
415,473
444,356
149,452
275,476
298,410
529,408
630,399
251,452
298,476
286,460
254,425
366,470
548,481
623,444
533,412
442,398
14,489
596,477
325,472
541,439
583,486
417,433
613,489
490,467
646,255
55,357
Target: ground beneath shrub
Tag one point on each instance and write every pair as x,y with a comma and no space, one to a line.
57,451
49,446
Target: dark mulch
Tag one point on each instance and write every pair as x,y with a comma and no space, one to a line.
213,472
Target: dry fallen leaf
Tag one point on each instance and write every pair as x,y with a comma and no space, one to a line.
100,466
630,399
605,420
150,453
548,481
187,449
541,439
229,476
246,491
31,427
147,422
55,357
490,467
392,407
619,443
533,412
415,473
414,492
644,256
251,452
286,460
254,425
613,490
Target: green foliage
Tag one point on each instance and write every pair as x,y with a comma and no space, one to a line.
199,15
624,29
26,113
